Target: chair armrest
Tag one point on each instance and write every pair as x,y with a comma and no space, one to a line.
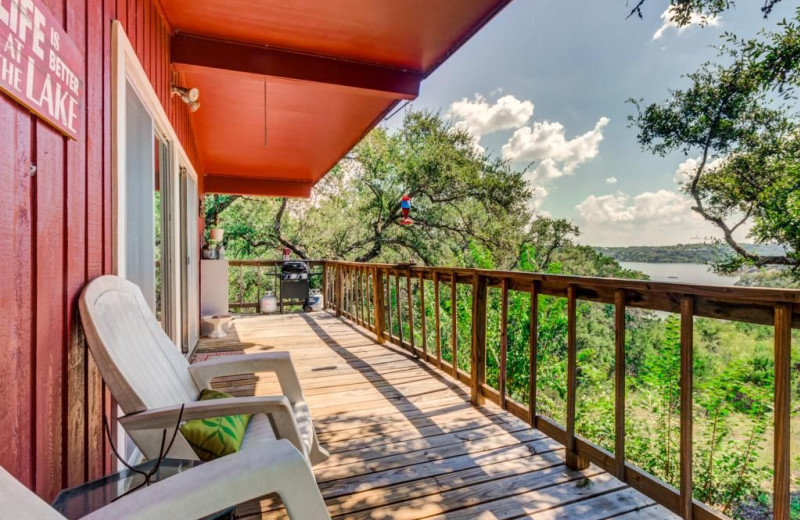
278,362
278,407
222,483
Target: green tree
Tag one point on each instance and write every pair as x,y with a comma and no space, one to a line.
459,196
746,142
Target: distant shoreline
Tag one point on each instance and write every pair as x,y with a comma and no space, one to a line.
682,253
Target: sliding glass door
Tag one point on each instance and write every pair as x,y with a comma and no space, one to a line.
190,273
149,257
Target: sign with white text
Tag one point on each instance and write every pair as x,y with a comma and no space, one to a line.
40,66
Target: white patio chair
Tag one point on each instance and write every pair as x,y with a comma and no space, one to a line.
150,379
275,467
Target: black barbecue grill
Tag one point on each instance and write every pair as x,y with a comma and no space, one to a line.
294,284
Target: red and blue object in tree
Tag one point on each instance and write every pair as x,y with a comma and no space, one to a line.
405,205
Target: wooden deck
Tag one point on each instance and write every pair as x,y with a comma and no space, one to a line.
405,441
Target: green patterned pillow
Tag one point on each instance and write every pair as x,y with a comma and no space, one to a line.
217,436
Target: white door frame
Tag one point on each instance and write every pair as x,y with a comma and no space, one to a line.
126,69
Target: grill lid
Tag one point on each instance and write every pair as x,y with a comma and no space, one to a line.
294,266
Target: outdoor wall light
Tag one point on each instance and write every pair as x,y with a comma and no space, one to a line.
189,96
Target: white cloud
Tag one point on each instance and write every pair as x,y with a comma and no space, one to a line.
688,168
480,118
611,180
539,194
546,143
696,19
650,218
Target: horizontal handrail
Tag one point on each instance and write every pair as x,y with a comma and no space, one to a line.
362,293
744,304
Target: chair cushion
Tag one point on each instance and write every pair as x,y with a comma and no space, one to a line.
217,436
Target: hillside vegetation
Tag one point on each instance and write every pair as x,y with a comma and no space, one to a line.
473,211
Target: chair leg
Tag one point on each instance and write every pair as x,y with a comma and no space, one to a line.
300,494
317,454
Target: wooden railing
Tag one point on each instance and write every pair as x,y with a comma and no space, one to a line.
363,293
249,280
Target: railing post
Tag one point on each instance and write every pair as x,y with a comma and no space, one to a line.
783,402
454,325
686,384
533,353
422,315
388,306
338,290
377,303
324,290
573,460
619,383
478,372
437,313
410,313
503,344
398,307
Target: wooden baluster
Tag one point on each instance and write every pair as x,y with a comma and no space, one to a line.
533,353
503,344
324,286
377,303
454,324
241,286
369,301
410,312
619,384
349,293
389,306
478,351
357,294
362,284
422,314
343,273
338,290
783,402
367,298
437,314
686,383
258,286
397,307
573,460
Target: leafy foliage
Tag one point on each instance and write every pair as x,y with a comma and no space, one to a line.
746,140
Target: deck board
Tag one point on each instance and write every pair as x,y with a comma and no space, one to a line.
405,441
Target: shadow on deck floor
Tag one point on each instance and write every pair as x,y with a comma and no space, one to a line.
405,441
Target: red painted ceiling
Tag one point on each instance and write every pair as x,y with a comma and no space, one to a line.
309,125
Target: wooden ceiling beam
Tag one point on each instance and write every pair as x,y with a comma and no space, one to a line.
187,49
233,185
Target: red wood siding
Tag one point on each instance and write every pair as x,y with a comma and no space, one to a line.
56,235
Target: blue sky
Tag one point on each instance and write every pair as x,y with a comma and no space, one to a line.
576,62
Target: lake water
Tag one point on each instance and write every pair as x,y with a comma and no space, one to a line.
682,273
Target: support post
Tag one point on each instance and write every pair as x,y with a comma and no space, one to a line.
533,353
437,312
422,314
338,290
454,324
619,384
783,402
686,384
377,300
573,460
478,372
503,344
